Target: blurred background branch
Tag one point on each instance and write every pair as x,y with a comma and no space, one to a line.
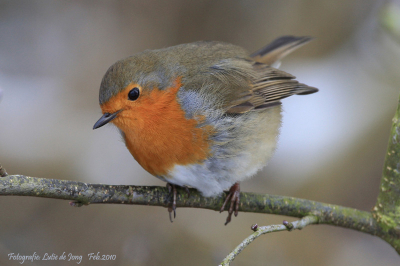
261,230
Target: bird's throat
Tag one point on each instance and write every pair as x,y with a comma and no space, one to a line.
159,136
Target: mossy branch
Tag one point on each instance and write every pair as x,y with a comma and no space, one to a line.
84,194
387,208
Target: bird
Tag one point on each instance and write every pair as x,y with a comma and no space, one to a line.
205,115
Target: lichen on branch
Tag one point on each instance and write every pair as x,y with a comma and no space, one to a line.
387,208
84,194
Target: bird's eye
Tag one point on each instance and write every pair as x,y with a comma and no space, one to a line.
133,94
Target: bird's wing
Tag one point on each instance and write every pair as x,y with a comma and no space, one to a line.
247,85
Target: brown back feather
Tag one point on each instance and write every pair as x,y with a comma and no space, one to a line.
269,85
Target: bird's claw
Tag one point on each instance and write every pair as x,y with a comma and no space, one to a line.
234,198
172,208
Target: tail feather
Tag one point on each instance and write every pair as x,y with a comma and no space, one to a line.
279,48
303,89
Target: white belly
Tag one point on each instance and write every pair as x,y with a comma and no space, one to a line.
242,147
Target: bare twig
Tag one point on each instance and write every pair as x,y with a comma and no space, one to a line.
286,226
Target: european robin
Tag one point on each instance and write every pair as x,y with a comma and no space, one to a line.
205,114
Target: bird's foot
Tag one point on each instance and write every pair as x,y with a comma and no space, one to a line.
172,189
234,198
172,208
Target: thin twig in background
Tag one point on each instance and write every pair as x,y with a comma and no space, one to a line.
258,231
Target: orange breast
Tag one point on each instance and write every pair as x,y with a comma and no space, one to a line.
156,131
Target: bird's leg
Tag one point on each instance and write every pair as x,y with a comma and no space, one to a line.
187,190
172,187
234,198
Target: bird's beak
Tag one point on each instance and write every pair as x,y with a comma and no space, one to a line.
106,118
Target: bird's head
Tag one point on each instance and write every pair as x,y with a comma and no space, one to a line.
135,90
